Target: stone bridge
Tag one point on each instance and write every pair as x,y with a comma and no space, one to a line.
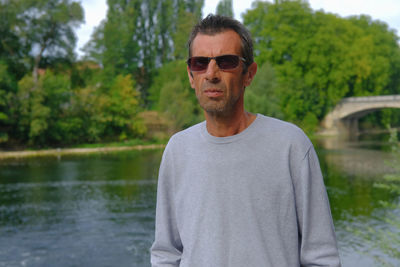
343,119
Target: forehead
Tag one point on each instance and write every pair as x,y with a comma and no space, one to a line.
226,42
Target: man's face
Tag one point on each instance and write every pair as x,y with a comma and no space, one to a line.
219,92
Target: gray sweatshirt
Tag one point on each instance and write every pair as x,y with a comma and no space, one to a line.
253,199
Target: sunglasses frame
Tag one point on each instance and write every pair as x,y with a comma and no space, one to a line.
217,60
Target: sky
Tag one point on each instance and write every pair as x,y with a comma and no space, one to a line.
384,10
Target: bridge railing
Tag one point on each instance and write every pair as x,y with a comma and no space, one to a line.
358,99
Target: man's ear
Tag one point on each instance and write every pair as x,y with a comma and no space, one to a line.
251,72
190,75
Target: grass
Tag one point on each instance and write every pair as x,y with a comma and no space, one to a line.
133,144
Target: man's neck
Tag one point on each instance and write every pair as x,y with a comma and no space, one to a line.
222,126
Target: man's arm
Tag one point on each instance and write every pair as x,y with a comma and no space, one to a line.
318,245
167,247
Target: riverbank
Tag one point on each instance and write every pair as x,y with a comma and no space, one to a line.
73,151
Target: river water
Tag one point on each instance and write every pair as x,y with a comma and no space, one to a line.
98,210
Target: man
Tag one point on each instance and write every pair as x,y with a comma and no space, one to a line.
239,189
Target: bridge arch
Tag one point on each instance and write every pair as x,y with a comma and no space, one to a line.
343,119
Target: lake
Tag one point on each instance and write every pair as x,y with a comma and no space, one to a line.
98,210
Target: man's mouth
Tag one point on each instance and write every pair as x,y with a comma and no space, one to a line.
213,93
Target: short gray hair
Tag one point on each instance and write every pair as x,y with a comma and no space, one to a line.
214,24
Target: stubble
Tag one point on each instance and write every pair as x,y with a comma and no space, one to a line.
219,106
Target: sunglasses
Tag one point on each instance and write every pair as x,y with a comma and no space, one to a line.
225,62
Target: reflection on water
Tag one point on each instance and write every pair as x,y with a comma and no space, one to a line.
351,169
82,211
99,210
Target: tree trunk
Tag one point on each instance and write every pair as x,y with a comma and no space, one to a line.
35,72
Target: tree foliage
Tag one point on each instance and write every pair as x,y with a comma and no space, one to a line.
47,28
225,8
66,102
320,58
135,61
137,37
261,95
56,114
172,95
12,48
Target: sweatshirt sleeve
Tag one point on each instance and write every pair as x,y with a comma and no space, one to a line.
167,247
316,231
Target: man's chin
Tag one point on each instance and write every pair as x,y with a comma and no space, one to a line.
217,107
215,110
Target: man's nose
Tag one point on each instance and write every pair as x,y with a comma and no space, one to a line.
213,71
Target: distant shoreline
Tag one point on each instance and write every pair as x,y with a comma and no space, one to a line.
72,151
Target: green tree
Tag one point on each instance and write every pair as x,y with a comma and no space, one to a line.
48,28
166,74
39,34
172,95
94,49
13,55
192,6
7,89
40,110
186,17
33,114
225,8
108,114
382,57
261,96
57,92
166,19
124,42
176,105
138,37
86,106
123,106
282,31
320,58
12,49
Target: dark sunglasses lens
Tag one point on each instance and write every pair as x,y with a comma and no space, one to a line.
198,63
227,62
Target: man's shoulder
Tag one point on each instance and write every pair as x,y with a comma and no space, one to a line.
280,131
280,127
189,132
187,135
